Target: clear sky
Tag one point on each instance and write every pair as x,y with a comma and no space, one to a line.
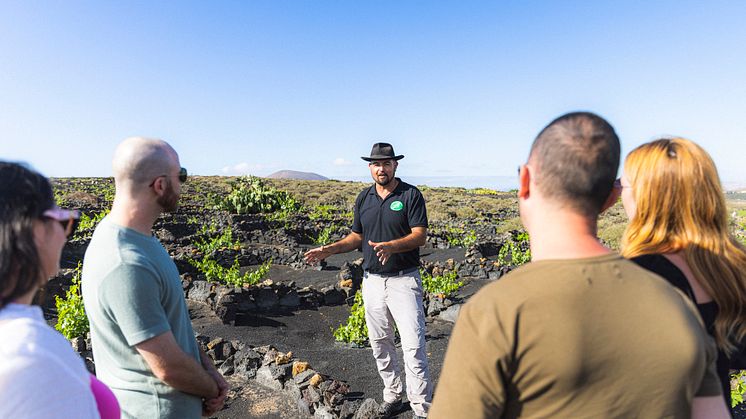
459,87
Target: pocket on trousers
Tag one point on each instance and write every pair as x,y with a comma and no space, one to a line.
416,282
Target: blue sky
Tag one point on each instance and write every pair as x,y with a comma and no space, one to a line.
460,87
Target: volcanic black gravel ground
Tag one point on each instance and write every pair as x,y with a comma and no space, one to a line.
308,334
328,275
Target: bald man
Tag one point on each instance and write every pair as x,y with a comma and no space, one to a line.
142,337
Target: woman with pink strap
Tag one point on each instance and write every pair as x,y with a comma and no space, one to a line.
40,374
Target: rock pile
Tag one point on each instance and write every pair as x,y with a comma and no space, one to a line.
268,297
318,395
83,347
229,302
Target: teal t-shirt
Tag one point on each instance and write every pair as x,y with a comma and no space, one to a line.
132,292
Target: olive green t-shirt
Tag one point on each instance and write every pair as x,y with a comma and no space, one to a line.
586,338
132,292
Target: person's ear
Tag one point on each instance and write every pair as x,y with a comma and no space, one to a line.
40,232
524,180
159,185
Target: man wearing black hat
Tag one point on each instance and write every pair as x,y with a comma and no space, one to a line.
390,224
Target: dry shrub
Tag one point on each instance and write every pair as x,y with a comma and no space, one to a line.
79,199
612,235
611,225
509,224
466,212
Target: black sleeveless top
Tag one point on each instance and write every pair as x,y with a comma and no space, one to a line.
660,265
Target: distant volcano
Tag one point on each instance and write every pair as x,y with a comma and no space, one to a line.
292,174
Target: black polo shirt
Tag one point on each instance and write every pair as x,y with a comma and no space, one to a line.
387,219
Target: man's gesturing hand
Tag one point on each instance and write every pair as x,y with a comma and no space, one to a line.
383,250
316,255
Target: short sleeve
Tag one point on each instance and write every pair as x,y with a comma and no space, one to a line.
357,225
417,214
710,385
475,373
131,297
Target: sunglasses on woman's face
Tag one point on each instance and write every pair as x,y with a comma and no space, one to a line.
68,219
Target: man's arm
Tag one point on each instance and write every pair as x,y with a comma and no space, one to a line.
411,241
711,407
349,243
176,368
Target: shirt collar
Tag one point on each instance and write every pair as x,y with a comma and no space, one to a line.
372,189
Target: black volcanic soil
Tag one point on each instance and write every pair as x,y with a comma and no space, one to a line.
308,334
328,275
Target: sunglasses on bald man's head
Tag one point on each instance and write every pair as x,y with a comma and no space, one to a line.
182,175
68,219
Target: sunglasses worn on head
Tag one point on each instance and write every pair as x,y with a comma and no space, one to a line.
68,219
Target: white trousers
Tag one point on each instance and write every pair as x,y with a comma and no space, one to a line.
398,299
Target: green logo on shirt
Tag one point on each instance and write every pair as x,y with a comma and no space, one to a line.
396,206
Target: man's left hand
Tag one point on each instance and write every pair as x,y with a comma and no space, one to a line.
383,250
212,406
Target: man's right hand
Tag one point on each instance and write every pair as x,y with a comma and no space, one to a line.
316,255
349,243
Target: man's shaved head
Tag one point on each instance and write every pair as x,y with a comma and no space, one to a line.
577,157
138,161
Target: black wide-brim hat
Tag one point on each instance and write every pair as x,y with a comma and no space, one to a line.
382,151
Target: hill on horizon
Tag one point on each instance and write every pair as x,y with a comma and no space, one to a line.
293,174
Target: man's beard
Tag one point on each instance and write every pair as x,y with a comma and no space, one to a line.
384,182
170,199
